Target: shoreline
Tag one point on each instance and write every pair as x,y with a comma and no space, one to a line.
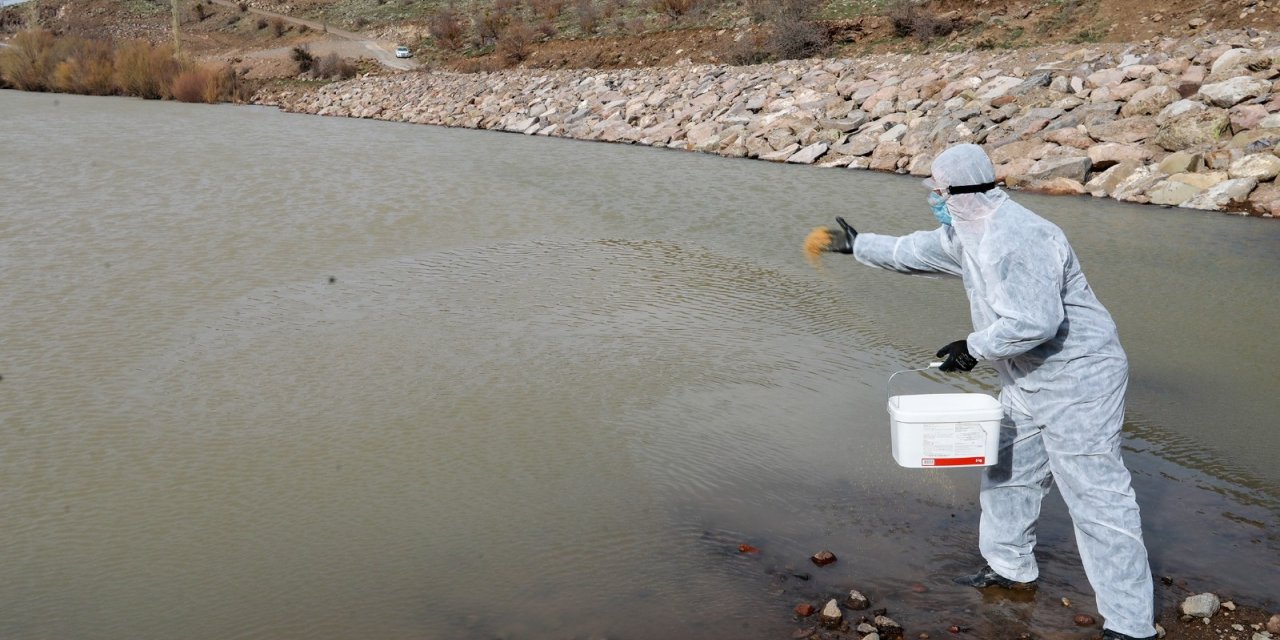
1186,122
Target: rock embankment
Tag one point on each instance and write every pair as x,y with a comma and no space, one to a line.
1180,122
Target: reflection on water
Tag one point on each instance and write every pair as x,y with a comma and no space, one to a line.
313,378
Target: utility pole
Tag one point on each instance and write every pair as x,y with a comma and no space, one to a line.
177,40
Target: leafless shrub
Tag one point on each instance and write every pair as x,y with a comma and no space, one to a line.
489,25
908,19
791,39
588,16
514,44
546,30
547,9
243,7
334,66
750,48
447,29
262,23
278,26
506,7
675,8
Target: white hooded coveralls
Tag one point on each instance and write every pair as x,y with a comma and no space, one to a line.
1063,376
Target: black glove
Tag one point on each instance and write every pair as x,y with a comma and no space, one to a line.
842,238
957,357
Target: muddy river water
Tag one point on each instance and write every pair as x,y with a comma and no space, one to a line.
278,376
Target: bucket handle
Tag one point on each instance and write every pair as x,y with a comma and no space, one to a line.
932,365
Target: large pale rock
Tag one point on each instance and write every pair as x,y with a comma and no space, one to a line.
1075,168
1259,166
1202,180
1105,77
885,157
1220,197
1178,108
848,123
1135,129
996,87
1172,193
1193,129
1014,170
1239,62
1221,159
1149,101
1256,140
1272,121
1229,93
782,154
1075,137
1033,149
1135,187
1104,183
1203,605
809,154
1180,161
859,145
1108,154
1246,116
1266,201
1057,187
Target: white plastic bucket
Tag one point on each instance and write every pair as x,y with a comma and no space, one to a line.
944,429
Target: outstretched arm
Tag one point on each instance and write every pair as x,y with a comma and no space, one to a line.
935,251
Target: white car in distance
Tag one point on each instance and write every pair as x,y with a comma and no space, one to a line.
403,52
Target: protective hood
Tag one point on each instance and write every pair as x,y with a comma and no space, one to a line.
961,166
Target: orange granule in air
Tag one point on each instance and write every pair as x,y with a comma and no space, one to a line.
816,242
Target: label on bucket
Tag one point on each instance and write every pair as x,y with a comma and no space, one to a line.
961,443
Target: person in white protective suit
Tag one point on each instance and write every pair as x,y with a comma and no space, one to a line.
1062,373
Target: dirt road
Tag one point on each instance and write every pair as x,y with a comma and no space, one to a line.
349,44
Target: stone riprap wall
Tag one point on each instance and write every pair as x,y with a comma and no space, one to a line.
1191,123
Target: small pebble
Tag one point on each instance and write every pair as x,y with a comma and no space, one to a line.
1273,625
857,601
804,610
919,588
1066,602
1229,605
823,558
924,635
1083,620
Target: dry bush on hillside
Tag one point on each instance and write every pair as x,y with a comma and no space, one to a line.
89,70
447,29
144,70
303,57
588,17
796,39
547,9
514,44
675,8
334,66
201,84
278,26
911,20
489,25
546,30
30,59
